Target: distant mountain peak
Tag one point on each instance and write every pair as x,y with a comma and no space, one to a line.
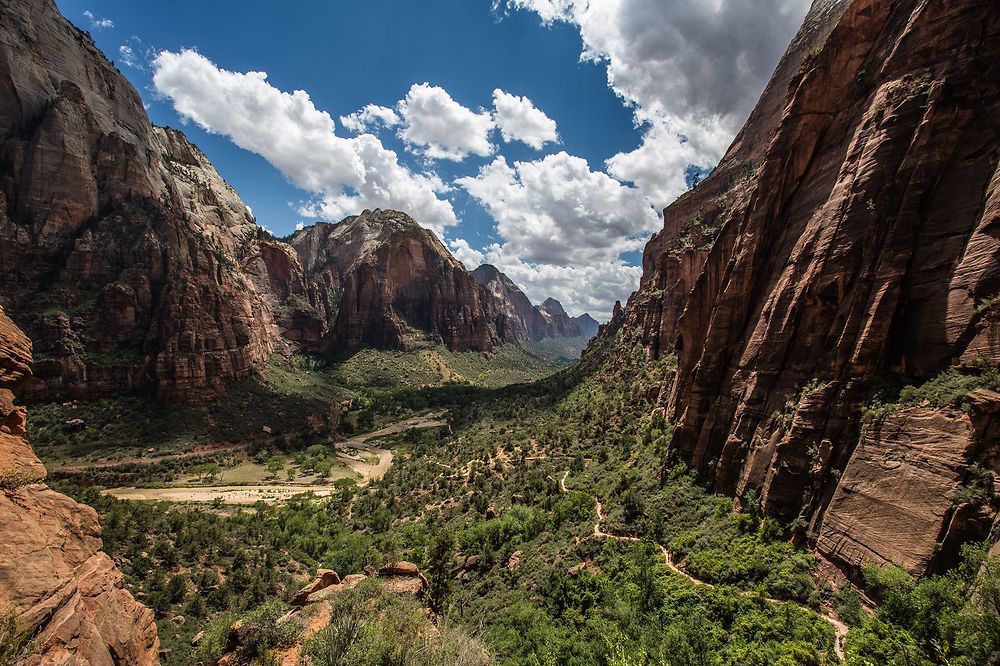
587,324
552,306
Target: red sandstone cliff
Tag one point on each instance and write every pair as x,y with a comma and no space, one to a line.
133,265
383,280
513,315
850,235
52,571
120,244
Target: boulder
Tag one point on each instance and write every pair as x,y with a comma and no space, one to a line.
324,579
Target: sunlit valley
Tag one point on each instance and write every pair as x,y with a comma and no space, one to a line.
452,381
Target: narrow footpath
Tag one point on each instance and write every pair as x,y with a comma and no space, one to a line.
668,558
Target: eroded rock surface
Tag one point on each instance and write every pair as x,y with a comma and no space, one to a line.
849,234
52,571
384,280
120,244
514,316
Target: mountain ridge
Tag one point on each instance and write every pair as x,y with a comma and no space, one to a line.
134,266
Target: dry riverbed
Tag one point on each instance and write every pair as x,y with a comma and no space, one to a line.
360,454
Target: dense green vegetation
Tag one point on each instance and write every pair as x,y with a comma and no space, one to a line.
561,352
136,439
950,388
949,619
372,628
502,516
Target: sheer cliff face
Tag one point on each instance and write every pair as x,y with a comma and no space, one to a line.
384,280
851,233
52,571
120,245
513,315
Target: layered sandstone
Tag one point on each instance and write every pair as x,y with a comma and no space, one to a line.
849,234
120,245
514,316
64,590
390,282
898,501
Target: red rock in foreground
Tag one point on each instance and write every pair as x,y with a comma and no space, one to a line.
52,570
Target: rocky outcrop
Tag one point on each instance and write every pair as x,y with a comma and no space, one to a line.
314,607
387,282
513,315
849,235
120,245
557,322
53,574
900,498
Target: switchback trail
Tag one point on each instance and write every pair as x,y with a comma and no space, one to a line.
839,627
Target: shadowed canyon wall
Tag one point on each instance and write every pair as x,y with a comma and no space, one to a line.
849,237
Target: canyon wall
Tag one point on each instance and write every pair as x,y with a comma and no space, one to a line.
120,244
133,265
513,314
848,240
384,281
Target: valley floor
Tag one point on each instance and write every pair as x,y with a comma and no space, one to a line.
543,518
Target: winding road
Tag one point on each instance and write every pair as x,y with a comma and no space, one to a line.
370,471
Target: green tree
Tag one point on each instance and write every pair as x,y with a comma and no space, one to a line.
275,465
14,643
213,470
317,451
439,557
647,576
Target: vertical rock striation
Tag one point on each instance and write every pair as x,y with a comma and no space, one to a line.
849,235
384,281
513,315
120,244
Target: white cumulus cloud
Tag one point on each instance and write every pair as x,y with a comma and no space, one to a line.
519,120
692,70
557,211
563,228
592,288
435,125
346,174
98,23
370,117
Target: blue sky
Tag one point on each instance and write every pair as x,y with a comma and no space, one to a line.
566,217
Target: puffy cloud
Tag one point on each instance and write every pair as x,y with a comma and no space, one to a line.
98,23
346,174
658,166
435,125
557,211
370,117
691,68
519,120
